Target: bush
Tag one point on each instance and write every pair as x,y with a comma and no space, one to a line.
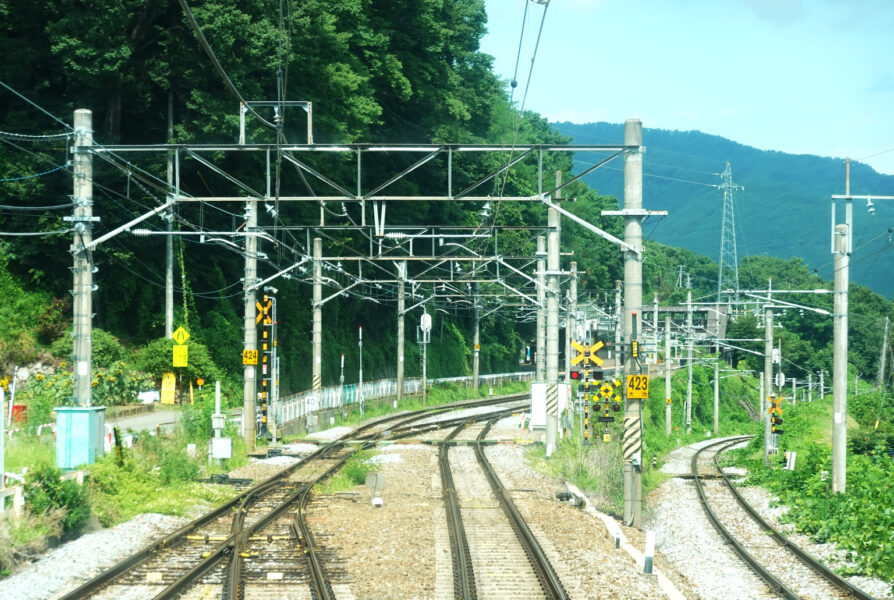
45,491
155,359
107,350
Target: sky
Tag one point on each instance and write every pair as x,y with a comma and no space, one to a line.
797,76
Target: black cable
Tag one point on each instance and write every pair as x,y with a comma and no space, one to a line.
220,70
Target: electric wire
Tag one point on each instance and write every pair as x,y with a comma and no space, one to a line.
33,233
35,175
218,67
34,138
35,105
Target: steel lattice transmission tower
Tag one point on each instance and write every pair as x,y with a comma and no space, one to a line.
728,271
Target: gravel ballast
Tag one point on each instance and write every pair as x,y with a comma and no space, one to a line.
77,561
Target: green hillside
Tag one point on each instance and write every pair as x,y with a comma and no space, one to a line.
783,211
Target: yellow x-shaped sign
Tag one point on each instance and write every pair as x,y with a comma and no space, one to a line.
587,353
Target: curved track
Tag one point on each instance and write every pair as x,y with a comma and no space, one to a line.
246,539
780,580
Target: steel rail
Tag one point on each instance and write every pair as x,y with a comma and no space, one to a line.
321,588
549,580
821,569
777,586
463,572
104,578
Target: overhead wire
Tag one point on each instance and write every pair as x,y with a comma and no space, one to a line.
218,67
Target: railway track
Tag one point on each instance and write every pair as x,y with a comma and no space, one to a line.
788,570
259,543
494,553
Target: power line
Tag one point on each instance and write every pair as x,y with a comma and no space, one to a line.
220,70
24,177
38,107
33,233
34,138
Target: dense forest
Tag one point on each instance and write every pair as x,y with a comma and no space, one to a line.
397,72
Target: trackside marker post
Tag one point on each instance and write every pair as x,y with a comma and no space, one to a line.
650,552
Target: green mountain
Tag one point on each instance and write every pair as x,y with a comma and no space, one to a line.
784,210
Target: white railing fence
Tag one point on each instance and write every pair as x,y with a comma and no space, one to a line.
304,403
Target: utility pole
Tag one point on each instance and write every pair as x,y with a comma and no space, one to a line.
689,336
425,327
169,239
655,326
552,325
401,280
360,382
570,319
768,373
476,340
717,398
317,340
2,441
619,326
810,387
250,333
541,310
880,382
839,360
821,385
760,402
82,222
667,375
633,299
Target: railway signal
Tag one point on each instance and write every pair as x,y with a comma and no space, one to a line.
775,412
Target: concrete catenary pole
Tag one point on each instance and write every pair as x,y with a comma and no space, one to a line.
619,326
401,278
476,340
717,398
83,259
667,375
655,327
360,373
541,311
250,333
689,358
839,362
768,377
169,239
2,441
571,321
810,387
880,381
633,291
552,325
317,332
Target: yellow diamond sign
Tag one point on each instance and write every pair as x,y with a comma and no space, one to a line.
180,336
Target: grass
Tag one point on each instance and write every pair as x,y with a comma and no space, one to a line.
28,451
23,538
352,474
597,468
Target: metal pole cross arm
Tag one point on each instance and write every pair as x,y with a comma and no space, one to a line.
127,225
603,234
